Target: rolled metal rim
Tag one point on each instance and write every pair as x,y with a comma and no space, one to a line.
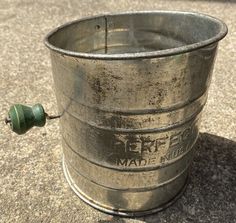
158,53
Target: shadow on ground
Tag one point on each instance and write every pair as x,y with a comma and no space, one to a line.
210,195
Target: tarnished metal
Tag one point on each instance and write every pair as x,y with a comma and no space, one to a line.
131,88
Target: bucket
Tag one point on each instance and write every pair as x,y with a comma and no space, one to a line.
131,88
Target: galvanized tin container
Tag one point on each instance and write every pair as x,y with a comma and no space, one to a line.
131,88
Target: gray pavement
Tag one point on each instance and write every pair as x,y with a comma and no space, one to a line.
32,185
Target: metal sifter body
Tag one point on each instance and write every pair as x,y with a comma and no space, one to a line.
131,88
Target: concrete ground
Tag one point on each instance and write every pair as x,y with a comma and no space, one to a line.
32,185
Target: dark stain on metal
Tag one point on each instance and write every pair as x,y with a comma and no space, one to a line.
106,33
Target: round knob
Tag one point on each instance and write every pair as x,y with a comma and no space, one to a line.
22,118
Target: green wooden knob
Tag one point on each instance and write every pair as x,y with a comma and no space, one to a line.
22,118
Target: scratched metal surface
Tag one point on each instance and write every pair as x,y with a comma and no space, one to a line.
129,124
33,188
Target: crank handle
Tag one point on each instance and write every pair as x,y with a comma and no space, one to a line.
22,118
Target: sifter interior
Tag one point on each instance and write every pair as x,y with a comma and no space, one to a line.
140,34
